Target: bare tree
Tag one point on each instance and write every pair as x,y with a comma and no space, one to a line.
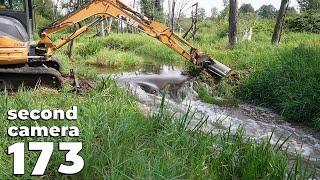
280,20
55,5
195,21
233,22
214,12
110,20
169,13
182,7
173,7
102,29
194,24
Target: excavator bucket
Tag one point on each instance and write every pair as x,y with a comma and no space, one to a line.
216,69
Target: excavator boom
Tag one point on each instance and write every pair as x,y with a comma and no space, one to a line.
31,64
102,9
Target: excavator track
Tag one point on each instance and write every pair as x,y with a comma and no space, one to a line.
29,77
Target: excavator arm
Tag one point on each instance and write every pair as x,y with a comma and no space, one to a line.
102,9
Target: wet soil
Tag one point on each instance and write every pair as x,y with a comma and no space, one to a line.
85,84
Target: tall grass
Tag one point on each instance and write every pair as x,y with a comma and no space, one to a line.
119,142
118,50
283,77
144,46
122,143
289,83
131,44
115,59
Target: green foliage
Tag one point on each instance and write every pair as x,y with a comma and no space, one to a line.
214,12
89,46
201,14
206,96
291,12
119,142
289,83
144,46
308,22
222,30
267,11
115,59
264,26
251,56
124,50
223,15
40,22
146,7
70,6
246,8
152,9
44,8
309,5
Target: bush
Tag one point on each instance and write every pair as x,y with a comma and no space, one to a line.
89,46
223,30
143,46
264,25
115,59
289,83
304,23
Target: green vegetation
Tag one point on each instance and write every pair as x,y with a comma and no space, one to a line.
282,77
267,11
120,142
289,83
152,9
304,23
309,5
123,51
206,96
257,64
115,59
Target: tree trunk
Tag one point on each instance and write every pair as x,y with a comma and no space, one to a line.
69,49
119,26
233,20
102,28
195,27
70,44
281,16
110,19
172,14
169,14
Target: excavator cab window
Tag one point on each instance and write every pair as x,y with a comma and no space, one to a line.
12,5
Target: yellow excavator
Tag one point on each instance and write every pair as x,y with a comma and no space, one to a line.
24,62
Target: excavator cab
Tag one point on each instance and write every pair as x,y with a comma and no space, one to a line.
19,65
16,19
16,27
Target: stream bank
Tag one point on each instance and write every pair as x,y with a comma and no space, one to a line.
149,83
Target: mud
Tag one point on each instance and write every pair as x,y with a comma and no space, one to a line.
85,84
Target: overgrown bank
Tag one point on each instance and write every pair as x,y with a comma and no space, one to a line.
120,142
282,77
289,83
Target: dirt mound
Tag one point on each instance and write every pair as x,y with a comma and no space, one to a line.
85,84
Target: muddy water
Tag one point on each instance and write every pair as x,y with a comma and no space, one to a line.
147,86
